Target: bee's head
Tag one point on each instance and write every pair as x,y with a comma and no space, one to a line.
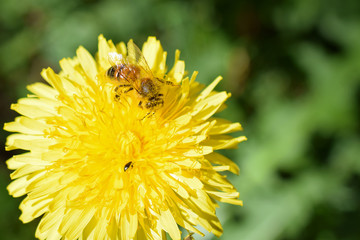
110,72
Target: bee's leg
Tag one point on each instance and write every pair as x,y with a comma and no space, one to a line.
140,104
160,80
120,86
160,102
147,115
118,92
117,88
166,82
170,83
128,90
117,97
154,102
156,97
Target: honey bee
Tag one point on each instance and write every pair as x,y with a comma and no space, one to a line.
133,73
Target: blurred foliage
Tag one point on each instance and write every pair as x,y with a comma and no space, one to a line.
293,68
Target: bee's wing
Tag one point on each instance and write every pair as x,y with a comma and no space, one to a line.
116,58
136,57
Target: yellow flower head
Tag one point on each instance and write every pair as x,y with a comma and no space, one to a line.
117,158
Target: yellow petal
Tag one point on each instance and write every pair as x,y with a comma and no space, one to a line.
70,72
17,187
28,142
198,151
231,201
153,53
205,93
33,207
20,160
104,48
129,225
43,90
168,223
26,125
207,107
26,170
87,62
75,221
217,158
224,141
50,222
223,126
31,111
192,181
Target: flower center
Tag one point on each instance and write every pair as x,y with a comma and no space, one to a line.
130,145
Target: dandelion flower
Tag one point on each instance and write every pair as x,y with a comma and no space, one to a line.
97,167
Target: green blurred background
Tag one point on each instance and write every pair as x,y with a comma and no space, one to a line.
293,68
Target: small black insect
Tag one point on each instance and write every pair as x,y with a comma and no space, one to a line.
127,166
